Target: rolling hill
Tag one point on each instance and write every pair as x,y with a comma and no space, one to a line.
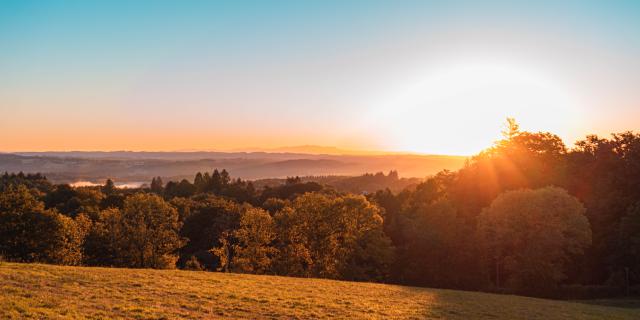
140,167
35,291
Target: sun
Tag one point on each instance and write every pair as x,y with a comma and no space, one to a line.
460,108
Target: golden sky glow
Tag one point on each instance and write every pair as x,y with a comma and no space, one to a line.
369,76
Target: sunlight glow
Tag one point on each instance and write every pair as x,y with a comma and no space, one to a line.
459,108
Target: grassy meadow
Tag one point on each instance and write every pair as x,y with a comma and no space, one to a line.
37,291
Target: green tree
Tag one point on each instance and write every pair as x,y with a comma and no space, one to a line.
30,233
87,201
605,175
531,235
254,251
150,228
106,242
333,237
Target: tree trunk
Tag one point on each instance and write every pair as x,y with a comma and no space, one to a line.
497,273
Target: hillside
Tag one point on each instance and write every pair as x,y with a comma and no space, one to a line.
35,291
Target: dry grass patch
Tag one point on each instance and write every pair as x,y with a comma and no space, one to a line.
35,291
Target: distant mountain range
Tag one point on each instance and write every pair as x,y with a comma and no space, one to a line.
128,167
314,149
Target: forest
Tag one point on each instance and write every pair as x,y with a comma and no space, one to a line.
528,216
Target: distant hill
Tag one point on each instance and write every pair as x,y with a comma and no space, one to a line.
365,183
129,167
313,149
36,291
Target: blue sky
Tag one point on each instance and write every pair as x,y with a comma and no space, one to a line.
167,75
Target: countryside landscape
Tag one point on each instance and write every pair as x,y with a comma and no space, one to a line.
319,160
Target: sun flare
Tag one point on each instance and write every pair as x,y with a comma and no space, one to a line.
467,103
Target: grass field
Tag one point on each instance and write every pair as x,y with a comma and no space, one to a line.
35,291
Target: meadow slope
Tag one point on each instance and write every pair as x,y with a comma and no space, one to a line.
36,291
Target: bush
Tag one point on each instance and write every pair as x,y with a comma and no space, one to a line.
193,264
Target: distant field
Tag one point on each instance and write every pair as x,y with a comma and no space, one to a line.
34,291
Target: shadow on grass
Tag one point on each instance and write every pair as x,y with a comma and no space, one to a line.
628,303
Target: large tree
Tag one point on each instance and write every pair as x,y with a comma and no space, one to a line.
531,235
605,175
253,251
209,219
31,233
332,237
150,231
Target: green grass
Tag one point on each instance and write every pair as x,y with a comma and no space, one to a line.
36,291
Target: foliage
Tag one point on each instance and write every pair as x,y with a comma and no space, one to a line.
32,181
332,237
530,235
193,264
30,233
627,254
254,252
447,230
144,234
209,219
151,229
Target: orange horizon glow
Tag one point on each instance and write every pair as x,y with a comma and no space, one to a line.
429,80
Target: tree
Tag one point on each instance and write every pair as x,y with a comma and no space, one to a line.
210,217
524,160
273,205
32,181
224,178
30,233
290,190
157,186
367,251
332,237
107,241
531,235
627,253
294,253
115,200
86,201
184,206
254,251
193,264
206,178
605,175
63,199
109,187
215,184
150,228
512,129
183,189
240,191
434,245
199,182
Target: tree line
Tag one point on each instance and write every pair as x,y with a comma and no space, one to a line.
528,215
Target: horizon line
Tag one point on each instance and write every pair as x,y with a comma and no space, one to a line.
286,150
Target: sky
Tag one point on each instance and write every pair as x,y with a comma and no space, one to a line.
436,77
